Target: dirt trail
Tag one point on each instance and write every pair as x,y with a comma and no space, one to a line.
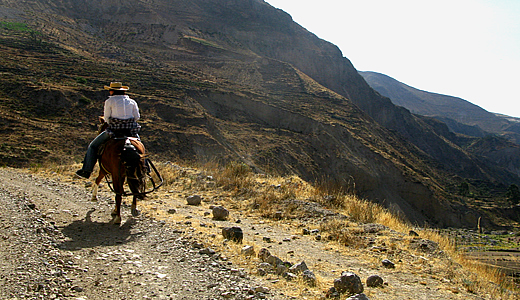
57,244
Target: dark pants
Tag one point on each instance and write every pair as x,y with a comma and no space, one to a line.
90,158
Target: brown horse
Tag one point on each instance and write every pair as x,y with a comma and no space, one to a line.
123,158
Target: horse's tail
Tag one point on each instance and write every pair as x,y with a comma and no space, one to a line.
134,163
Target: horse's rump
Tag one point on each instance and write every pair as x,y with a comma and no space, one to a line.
127,151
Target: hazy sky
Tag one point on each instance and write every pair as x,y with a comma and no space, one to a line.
463,48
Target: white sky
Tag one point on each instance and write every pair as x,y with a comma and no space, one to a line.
463,48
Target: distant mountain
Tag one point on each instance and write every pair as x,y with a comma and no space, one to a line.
221,80
460,115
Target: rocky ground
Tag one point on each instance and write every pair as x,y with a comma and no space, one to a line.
57,244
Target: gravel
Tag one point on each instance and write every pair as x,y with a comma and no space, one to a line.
57,244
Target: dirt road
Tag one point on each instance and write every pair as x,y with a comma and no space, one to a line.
56,244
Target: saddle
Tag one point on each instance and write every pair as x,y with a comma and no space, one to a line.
116,134
128,143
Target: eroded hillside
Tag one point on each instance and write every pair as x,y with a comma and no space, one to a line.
220,81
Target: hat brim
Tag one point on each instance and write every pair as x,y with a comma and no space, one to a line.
123,88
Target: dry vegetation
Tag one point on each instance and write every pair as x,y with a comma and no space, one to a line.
274,200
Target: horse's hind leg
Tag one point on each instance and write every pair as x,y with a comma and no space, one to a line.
135,186
135,212
118,189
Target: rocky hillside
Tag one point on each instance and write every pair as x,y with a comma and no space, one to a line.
226,80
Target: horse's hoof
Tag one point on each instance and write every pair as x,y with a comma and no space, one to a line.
135,213
94,199
116,220
113,213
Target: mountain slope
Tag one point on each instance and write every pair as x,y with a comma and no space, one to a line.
461,117
436,105
219,81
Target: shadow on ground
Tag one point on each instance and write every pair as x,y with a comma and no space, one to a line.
87,234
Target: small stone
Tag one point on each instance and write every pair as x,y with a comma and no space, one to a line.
260,296
299,268
290,276
332,293
248,250
374,281
358,297
263,254
306,231
309,278
220,213
265,265
262,289
77,289
172,211
273,261
194,200
197,245
207,251
348,283
233,234
227,295
281,269
388,264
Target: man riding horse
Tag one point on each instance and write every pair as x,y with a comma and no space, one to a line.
121,113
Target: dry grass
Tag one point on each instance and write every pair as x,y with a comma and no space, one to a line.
269,194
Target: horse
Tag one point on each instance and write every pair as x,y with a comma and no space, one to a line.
123,158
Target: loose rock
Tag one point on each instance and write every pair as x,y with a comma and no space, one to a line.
388,264
220,213
194,200
348,283
274,261
299,268
358,297
248,250
263,254
233,234
374,281
309,278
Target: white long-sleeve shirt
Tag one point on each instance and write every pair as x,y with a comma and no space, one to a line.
121,107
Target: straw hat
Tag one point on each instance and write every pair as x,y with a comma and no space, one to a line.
117,86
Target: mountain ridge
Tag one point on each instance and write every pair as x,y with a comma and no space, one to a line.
438,105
